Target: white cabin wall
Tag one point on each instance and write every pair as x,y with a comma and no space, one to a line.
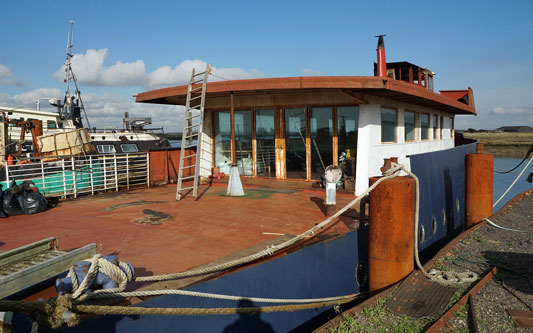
206,161
370,150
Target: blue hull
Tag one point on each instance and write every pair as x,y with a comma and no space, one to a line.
324,269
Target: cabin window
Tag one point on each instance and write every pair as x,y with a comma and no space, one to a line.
409,126
321,133
129,148
265,143
435,127
424,126
222,126
106,149
441,128
295,143
51,124
243,142
347,124
452,127
388,125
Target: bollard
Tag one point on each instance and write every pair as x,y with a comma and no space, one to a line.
391,231
479,179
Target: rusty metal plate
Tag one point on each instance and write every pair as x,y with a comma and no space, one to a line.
522,318
420,298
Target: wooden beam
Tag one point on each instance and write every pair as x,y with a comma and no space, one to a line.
335,137
308,143
232,128
254,146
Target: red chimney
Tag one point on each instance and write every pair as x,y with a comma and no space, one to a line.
382,62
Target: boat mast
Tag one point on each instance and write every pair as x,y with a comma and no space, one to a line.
72,103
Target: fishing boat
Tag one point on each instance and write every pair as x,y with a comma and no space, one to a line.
240,253
131,137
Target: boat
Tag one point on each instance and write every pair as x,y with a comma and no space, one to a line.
132,137
282,134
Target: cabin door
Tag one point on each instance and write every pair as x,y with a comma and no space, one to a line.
295,143
265,149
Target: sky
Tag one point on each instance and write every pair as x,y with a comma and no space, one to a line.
125,47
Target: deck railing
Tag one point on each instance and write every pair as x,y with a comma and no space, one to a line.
82,174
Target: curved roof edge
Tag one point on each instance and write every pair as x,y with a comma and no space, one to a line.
385,87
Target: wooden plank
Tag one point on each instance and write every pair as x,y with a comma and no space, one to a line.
522,318
23,252
30,276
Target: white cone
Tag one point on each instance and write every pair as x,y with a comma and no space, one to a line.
234,184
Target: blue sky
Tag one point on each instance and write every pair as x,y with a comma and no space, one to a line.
126,47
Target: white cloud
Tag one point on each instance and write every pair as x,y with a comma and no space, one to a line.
7,78
90,68
524,110
105,109
311,72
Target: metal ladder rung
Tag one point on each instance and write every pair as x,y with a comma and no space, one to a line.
198,74
197,94
186,188
196,97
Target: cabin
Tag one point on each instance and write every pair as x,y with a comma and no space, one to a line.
293,128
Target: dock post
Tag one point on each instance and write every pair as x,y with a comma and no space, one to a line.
391,231
479,179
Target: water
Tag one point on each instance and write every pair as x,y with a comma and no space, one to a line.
502,182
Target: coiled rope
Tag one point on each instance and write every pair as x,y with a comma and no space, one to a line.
56,311
445,278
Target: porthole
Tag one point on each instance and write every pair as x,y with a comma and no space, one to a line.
103,137
458,205
92,137
443,217
434,225
421,234
361,273
131,137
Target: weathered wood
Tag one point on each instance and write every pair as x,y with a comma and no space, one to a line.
42,268
26,251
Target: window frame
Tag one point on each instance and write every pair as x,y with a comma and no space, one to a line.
395,126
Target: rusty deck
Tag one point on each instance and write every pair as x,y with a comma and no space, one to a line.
158,235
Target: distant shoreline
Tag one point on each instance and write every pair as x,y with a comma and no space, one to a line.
503,144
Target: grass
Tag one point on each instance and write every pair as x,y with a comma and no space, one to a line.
377,318
503,144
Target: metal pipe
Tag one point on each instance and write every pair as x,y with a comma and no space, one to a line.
382,62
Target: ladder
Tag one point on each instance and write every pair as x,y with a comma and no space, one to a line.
191,136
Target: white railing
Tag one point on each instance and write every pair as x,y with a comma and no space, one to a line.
82,174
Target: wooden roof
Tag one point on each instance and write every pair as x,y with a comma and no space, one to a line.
378,86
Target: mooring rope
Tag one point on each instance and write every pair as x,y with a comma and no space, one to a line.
445,278
268,251
65,308
514,182
519,164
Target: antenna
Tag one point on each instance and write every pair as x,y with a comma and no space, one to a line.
68,105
